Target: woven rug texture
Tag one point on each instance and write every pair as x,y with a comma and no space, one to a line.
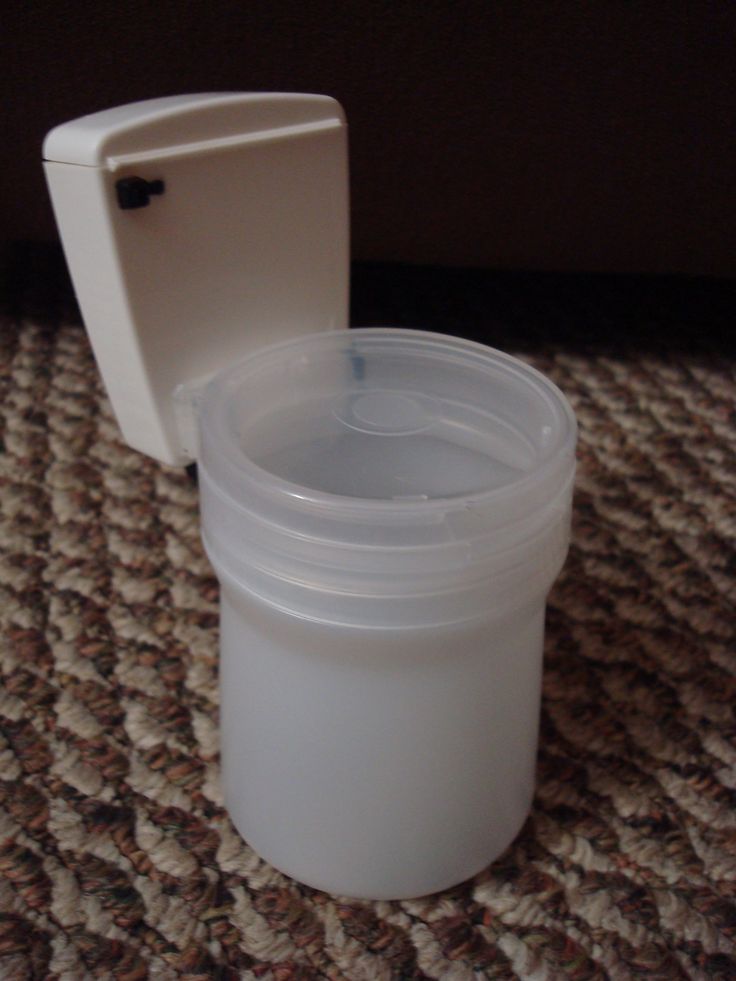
117,859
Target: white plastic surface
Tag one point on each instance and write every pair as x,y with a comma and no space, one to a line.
379,764
186,124
247,245
386,511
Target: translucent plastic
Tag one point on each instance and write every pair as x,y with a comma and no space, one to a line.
378,763
386,511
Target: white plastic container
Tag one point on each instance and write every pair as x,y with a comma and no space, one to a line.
386,511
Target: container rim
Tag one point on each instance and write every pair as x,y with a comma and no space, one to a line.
217,428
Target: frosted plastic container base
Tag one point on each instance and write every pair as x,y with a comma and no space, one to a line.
376,763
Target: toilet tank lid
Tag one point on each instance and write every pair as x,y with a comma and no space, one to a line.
158,126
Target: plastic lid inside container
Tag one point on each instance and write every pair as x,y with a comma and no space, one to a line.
384,417
393,468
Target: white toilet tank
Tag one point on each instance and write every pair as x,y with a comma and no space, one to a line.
197,228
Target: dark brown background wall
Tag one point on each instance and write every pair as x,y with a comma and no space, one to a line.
584,136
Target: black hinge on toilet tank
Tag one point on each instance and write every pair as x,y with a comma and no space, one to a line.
135,192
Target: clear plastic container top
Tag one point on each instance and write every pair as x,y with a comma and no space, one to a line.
352,459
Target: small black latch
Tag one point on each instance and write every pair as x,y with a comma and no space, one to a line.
135,192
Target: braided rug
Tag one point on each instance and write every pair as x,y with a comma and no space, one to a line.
117,859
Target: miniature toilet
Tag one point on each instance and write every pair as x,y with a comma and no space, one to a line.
385,509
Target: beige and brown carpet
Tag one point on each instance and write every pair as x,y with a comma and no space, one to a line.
117,859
